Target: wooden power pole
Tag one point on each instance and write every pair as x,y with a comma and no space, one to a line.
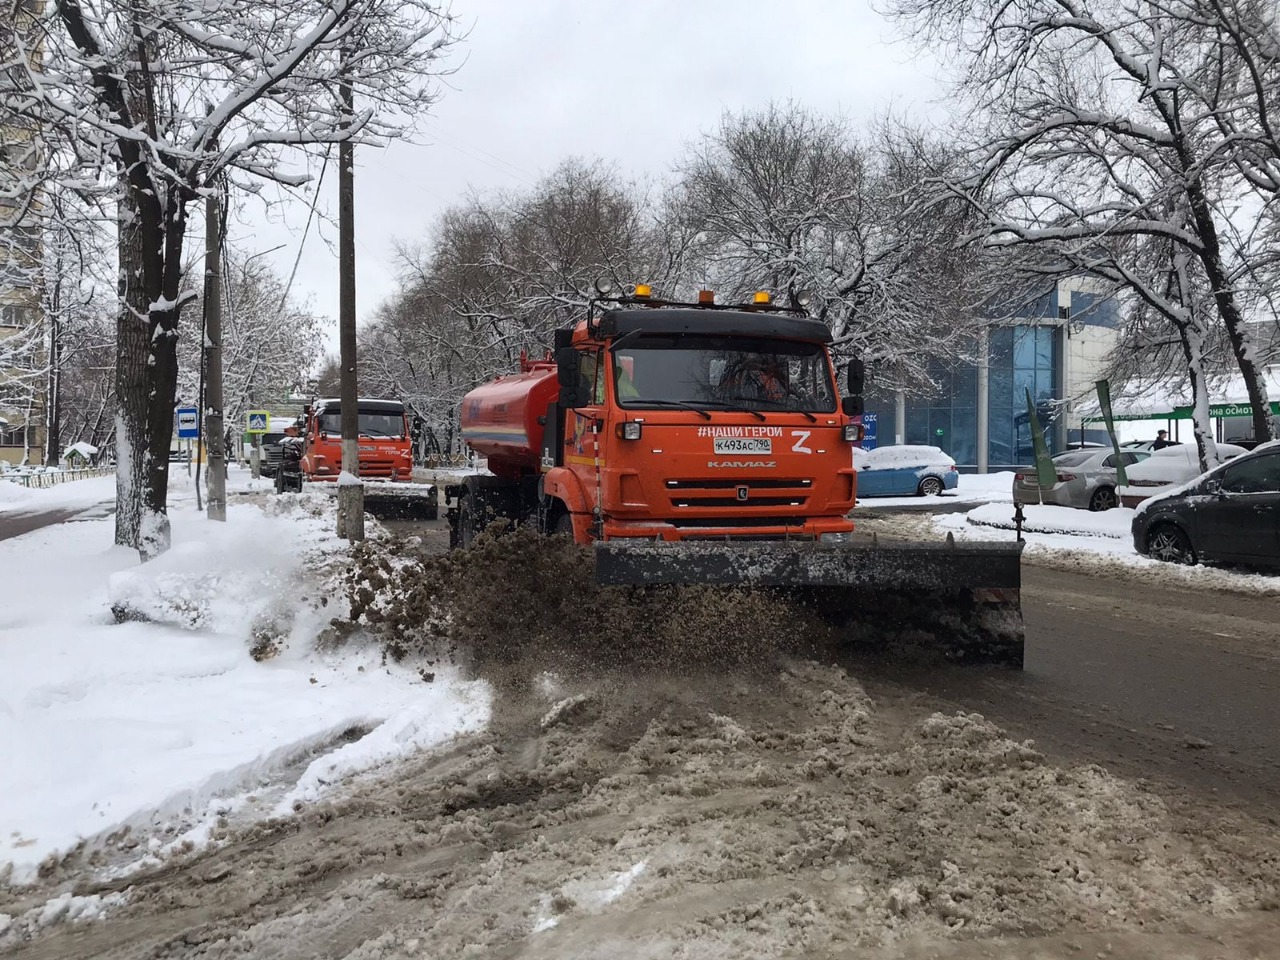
350,489
213,425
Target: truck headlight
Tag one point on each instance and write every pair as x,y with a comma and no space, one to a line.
842,536
853,432
629,430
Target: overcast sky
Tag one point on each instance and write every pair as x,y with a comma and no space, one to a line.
631,81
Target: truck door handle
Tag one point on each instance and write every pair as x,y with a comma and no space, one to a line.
1262,508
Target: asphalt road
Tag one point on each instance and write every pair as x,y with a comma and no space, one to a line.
15,523
1179,686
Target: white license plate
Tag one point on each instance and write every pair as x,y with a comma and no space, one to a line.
743,445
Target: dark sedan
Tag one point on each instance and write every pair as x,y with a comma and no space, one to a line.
1230,514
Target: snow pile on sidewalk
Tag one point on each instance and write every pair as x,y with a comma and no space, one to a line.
165,724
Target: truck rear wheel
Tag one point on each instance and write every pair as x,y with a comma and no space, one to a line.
467,528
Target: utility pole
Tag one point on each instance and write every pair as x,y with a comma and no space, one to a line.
213,426
350,489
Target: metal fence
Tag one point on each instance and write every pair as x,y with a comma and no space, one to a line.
51,479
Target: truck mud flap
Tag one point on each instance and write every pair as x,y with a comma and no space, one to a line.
958,599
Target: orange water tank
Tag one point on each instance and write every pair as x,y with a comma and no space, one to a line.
502,420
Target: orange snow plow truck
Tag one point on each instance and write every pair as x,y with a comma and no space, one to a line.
313,455
695,443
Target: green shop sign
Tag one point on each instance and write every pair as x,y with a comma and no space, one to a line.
1223,410
1184,413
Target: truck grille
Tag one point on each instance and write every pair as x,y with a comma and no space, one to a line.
375,468
725,493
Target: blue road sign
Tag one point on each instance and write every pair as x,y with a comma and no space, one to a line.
869,424
257,421
188,423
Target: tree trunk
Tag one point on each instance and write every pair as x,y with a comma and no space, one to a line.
1192,338
162,381
1229,311
131,375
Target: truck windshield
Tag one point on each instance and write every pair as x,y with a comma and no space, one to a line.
371,424
724,372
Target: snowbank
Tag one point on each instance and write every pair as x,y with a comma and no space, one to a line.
72,495
165,722
970,488
1046,518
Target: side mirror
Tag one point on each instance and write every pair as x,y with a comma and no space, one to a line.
1213,487
857,376
569,374
851,406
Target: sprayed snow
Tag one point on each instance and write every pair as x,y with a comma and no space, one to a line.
346,479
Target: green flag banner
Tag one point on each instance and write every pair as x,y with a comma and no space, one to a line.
1104,403
1046,472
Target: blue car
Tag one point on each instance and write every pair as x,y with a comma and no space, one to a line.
904,471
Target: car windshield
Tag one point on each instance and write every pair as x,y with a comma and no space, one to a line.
371,424
745,373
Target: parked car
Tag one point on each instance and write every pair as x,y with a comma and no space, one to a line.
1230,514
904,471
1086,479
1166,469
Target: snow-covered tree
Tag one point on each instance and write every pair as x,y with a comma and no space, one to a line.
154,104
786,200
499,275
1103,134
270,343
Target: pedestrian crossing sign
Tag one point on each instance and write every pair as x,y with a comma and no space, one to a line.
257,421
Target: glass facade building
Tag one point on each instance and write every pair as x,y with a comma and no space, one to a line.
1027,354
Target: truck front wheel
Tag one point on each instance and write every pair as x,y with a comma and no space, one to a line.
564,525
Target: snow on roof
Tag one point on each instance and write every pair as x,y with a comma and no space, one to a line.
81,448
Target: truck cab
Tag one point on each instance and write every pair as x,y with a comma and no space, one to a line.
673,422
386,443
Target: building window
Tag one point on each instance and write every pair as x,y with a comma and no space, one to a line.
16,315
13,436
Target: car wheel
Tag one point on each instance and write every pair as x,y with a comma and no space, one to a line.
1166,542
930,487
1104,498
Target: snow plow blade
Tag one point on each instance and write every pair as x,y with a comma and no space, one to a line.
961,600
398,501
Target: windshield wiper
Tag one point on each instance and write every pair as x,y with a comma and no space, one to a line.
667,403
723,405
783,408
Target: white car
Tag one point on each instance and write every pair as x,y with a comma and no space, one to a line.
1167,468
